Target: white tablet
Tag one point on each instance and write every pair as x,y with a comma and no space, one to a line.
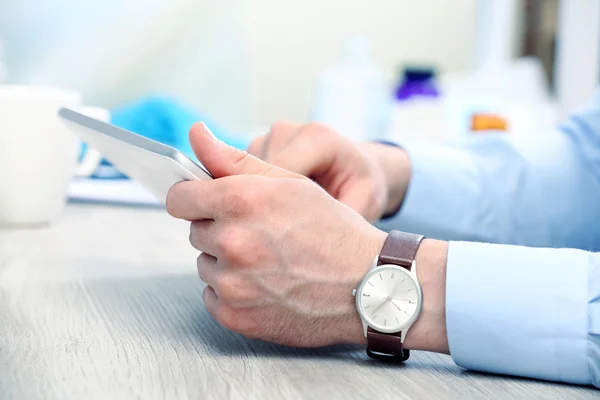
154,165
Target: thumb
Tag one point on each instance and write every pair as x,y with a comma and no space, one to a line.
223,160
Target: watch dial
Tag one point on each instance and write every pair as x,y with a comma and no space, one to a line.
389,298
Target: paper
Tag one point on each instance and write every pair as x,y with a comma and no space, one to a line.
116,191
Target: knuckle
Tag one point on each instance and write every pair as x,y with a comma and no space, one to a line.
239,203
231,289
195,234
222,285
222,243
316,128
233,243
280,127
228,239
242,202
238,320
320,133
229,318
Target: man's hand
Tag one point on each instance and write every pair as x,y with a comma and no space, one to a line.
280,255
372,178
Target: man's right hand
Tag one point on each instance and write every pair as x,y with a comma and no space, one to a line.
371,177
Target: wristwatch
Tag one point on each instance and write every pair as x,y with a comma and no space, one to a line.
389,298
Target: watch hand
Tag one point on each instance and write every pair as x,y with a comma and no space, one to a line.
411,302
396,305
376,295
381,305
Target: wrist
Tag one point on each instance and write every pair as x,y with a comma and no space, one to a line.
429,331
394,163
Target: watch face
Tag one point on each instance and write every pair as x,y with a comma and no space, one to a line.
389,299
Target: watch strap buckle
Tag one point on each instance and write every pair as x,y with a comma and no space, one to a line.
405,354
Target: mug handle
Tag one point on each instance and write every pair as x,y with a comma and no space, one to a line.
91,157
89,164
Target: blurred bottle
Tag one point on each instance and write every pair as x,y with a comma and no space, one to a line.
351,96
485,123
417,83
417,112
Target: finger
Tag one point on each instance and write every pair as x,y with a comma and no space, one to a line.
256,147
230,287
195,200
223,160
225,198
211,301
212,199
203,236
307,154
207,269
279,136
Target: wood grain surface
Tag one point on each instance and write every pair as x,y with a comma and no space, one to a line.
106,304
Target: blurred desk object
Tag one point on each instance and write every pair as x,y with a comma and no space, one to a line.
517,91
107,304
111,191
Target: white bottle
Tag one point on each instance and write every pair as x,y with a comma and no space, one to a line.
351,96
417,116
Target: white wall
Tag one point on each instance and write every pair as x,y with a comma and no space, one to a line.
577,61
245,62
290,41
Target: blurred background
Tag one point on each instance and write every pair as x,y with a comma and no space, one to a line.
244,62
434,70
247,63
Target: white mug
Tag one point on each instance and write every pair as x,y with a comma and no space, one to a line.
38,153
91,158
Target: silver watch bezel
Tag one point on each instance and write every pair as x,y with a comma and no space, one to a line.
358,298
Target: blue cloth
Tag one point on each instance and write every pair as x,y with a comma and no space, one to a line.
168,121
164,120
526,311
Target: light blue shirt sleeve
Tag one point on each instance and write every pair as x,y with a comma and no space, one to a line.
532,312
523,311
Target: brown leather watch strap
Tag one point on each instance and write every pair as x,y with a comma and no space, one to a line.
399,248
386,346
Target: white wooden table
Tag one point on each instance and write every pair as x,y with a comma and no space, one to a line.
106,304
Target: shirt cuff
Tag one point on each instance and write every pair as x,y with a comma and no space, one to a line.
442,178
518,311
